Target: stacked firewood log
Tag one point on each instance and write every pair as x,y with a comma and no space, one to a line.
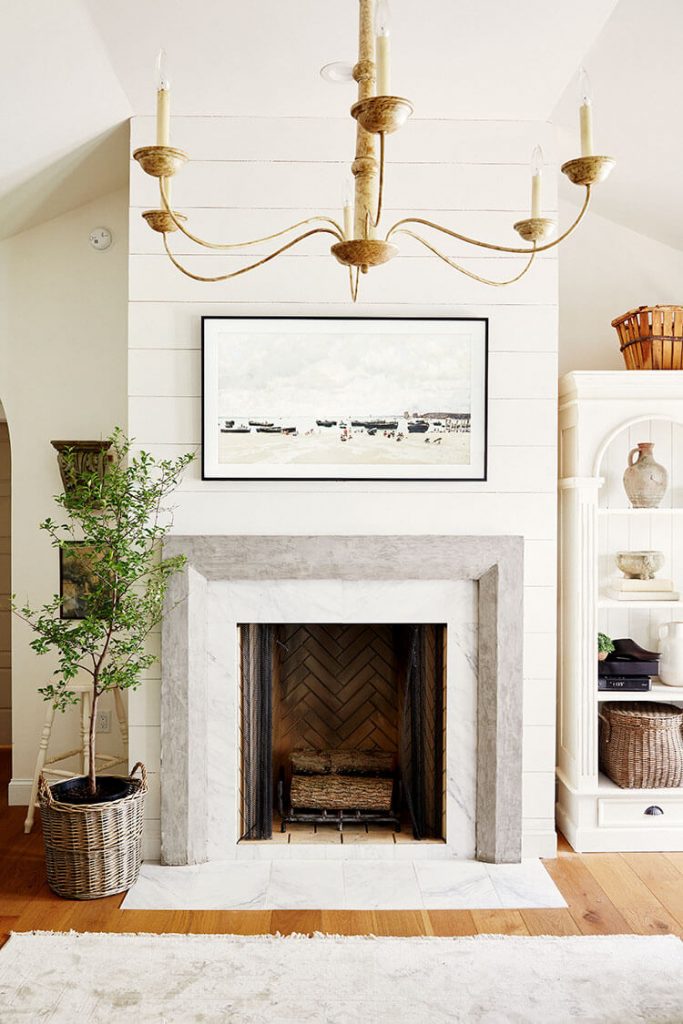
340,780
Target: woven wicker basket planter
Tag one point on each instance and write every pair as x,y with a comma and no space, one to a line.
651,337
93,850
641,745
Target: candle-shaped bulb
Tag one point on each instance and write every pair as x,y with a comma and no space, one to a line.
382,18
163,101
536,180
382,47
162,71
347,207
586,114
585,88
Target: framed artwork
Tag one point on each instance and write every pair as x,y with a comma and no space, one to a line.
344,398
77,577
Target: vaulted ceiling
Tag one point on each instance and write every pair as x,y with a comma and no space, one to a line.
454,58
636,72
72,73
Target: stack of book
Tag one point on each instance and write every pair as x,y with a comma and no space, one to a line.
626,675
623,589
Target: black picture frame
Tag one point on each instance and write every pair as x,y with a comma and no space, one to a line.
73,581
206,474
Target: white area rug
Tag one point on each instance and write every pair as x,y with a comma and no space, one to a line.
168,979
319,884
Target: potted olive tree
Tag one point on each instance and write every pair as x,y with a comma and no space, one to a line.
111,527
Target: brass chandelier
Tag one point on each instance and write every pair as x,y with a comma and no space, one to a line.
357,243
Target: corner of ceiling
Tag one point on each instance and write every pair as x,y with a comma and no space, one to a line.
95,168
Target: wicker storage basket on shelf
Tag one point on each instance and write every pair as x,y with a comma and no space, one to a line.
641,745
93,850
651,337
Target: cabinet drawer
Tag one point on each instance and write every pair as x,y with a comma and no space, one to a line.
630,810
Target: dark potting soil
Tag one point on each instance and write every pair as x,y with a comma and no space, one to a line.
75,791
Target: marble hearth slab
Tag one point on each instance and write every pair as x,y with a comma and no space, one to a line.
344,885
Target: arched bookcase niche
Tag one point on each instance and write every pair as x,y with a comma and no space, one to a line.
665,433
622,528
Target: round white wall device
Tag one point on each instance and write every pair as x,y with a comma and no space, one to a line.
100,238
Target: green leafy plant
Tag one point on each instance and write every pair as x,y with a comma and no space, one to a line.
605,645
118,517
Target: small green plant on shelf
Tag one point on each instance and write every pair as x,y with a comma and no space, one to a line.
605,646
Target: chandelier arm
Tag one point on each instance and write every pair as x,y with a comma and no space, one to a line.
398,226
252,266
353,284
380,195
240,245
468,273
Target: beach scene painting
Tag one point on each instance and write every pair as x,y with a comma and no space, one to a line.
349,398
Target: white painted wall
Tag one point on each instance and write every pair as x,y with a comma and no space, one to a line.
5,588
266,173
62,375
605,270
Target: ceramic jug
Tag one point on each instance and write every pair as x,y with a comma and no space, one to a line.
645,481
671,658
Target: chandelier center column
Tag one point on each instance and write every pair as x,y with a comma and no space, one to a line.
365,167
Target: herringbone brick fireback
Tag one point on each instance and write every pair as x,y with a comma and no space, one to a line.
337,689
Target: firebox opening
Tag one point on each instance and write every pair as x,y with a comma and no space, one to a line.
343,732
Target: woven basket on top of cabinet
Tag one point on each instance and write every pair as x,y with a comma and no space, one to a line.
641,744
651,337
93,850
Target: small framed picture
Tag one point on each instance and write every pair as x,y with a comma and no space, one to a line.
78,577
286,398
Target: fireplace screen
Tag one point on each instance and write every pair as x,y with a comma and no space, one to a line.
342,724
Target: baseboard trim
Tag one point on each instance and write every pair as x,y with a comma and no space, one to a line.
541,843
19,792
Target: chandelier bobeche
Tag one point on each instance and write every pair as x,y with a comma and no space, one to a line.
358,245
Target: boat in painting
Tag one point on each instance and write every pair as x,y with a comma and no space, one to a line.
376,424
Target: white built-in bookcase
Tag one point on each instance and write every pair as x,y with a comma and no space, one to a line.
603,415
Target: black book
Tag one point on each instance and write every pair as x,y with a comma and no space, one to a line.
625,683
615,667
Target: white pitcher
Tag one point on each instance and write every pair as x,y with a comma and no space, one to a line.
671,660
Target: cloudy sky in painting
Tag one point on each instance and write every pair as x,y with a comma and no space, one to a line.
308,375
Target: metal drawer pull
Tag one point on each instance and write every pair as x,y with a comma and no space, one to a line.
653,809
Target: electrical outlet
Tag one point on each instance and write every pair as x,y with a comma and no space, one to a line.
104,721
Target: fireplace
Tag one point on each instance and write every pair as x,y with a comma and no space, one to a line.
472,587
342,731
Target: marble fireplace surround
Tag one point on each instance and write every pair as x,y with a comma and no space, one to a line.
199,790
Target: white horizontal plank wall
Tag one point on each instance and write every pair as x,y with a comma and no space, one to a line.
250,176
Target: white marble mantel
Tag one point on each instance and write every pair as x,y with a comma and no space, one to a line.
340,601
473,585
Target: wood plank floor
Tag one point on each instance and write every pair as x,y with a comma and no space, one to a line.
636,893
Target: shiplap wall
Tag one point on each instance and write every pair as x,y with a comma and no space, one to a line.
250,176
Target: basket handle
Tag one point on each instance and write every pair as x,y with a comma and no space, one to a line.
143,773
631,460
608,726
44,791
